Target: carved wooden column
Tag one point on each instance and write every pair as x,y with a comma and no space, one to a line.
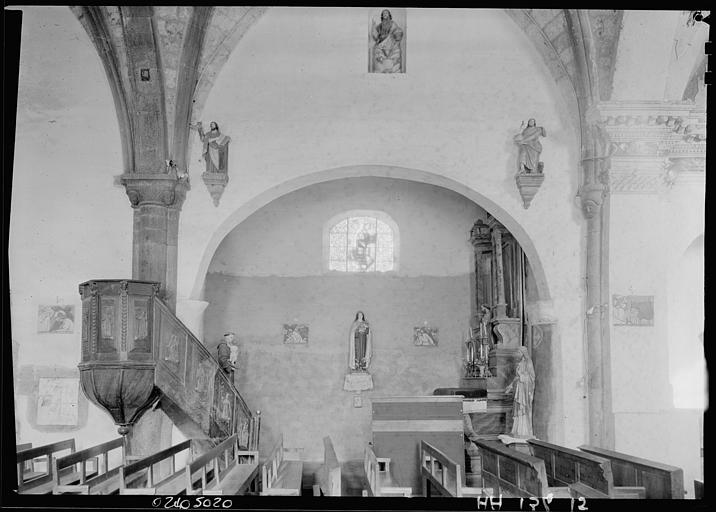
481,241
505,328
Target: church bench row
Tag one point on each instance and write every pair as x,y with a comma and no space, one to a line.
223,470
660,481
42,482
280,476
380,481
587,474
103,481
141,477
512,473
439,472
328,477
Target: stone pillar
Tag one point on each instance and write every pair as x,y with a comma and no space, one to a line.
597,386
191,312
156,199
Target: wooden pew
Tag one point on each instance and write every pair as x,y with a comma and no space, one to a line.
659,481
511,473
380,481
105,481
232,471
28,464
443,474
279,476
328,477
588,475
141,476
43,482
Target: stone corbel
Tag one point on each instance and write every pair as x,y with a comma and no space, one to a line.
528,184
215,183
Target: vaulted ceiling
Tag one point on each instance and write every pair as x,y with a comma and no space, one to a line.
163,61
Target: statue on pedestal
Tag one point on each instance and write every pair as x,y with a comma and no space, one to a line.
530,148
360,341
523,387
360,350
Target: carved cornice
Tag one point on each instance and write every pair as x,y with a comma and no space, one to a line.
653,143
158,189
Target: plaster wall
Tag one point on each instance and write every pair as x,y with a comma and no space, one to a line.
648,240
296,98
68,223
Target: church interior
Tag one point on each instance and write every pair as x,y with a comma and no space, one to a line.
272,251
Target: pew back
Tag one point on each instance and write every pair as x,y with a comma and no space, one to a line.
153,482
660,481
566,466
438,470
105,481
329,475
511,473
378,477
21,447
281,477
42,482
222,470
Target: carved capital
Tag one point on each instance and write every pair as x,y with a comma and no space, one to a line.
151,188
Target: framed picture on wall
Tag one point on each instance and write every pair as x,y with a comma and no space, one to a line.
58,319
633,309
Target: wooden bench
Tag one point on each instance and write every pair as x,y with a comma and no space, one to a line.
42,482
104,481
438,471
511,473
223,470
28,464
380,481
279,476
659,481
568,467
141,477
328,477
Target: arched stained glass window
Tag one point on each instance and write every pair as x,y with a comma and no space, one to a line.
362,241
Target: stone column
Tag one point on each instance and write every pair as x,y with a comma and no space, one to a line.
597,365
191,312
156,200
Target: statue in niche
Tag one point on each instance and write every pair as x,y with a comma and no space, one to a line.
107,323
386,52
530,148
523,387
216,147
360,342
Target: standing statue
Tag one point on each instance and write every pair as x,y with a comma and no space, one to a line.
360,344
523,386
530,147
216,147
386,54
228,353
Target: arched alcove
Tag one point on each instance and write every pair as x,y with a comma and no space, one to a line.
266,272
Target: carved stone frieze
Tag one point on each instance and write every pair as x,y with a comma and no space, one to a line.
653,144
154,188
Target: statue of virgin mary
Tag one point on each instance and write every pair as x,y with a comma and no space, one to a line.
360,344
